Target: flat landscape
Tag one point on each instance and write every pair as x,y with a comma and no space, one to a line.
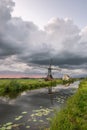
43,65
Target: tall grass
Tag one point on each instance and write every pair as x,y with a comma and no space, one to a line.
13,88
74,115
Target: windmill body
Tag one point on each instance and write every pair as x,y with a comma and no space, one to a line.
49,75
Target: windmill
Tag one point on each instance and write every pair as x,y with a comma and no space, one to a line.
49,74
49,68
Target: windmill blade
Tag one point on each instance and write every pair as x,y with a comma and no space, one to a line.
56,69
35,66
43,67
59,69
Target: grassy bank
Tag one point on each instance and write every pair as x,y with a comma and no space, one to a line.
74,115
14,87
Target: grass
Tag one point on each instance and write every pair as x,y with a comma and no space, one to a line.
13,87
74,115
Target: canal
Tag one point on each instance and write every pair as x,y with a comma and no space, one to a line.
33,109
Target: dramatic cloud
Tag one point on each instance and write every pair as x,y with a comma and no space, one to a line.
23,43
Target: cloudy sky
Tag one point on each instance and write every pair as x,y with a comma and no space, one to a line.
34,31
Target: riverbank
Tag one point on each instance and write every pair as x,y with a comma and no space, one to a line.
74,115
13,87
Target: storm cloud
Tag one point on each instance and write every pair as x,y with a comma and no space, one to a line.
60,40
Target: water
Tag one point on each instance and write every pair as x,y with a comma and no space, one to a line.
31,110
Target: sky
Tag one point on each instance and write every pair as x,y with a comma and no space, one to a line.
41,11
34,31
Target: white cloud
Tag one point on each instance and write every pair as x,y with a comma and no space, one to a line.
11,64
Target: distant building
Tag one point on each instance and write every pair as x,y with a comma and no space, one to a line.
66,77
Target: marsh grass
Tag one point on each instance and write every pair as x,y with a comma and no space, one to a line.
74,115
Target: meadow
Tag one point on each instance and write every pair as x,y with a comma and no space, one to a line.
74,115
13,87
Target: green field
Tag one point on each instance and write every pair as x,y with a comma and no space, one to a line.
13,87
74,115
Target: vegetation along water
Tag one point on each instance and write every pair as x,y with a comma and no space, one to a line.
74,115
13,87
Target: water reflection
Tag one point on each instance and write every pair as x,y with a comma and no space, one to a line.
60,93
67,85
49,90
51,98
